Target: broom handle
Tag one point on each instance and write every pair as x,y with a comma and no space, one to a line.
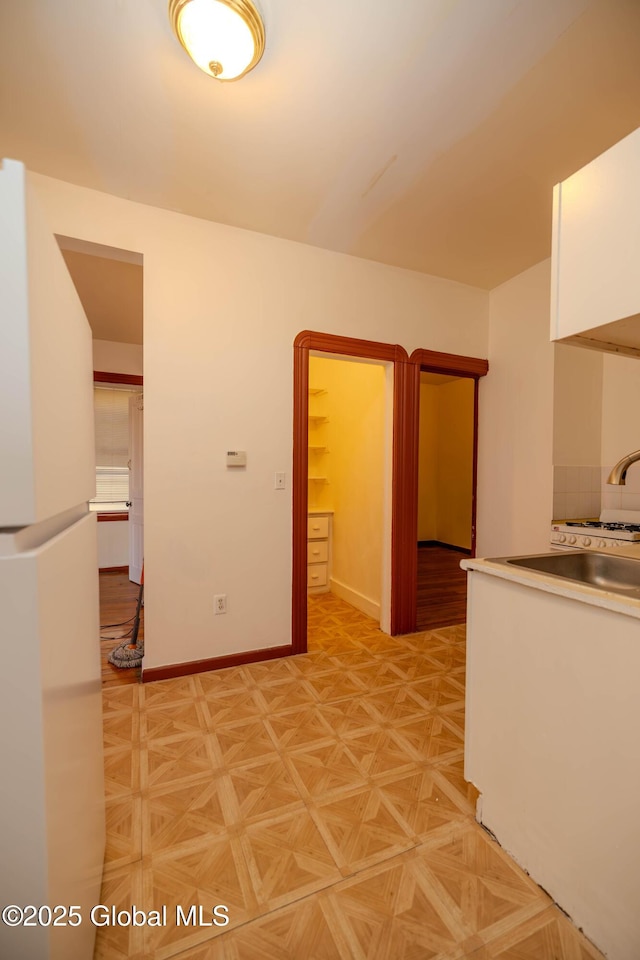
136,623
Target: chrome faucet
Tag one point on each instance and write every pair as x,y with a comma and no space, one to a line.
619,473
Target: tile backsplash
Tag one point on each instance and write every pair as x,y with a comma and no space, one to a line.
577,491
625,497
580,492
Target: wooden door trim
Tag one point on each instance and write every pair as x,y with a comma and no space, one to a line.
102,376
448,364
474,490
350,346
306,341
404,567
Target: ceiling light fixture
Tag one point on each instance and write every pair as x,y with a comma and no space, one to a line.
225,38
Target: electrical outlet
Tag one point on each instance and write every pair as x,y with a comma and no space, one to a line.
280,481
220,603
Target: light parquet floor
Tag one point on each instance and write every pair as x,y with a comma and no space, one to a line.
321,798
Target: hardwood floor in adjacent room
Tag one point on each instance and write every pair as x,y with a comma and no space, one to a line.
118,598
442,588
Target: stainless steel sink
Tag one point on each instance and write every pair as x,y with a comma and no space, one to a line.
615,574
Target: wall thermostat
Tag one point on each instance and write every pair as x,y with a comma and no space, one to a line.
236,458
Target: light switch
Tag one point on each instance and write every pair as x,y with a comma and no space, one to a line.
281,481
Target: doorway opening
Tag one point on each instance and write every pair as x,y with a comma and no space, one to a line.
445,497
310,487
109,283
349,480
445,477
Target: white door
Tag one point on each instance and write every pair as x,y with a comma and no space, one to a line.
136,491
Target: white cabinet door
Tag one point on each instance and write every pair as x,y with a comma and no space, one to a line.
136,488
596,243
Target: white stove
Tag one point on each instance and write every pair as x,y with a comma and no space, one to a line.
615,530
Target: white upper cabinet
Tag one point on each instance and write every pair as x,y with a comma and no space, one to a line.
595,282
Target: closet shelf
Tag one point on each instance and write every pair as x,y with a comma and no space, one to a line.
316,449
318,480
315,419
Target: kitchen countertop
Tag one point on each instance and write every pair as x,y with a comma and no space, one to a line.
583,593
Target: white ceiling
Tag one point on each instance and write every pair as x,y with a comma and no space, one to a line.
422,133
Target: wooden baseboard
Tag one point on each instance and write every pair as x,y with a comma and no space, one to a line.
114,569
447,546
214,663
357,600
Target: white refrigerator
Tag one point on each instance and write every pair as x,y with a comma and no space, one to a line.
52,819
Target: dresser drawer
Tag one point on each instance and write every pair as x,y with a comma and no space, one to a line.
317,528
317,551
317,575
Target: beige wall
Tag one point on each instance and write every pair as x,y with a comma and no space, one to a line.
222,307
541,404
620,428
113,544
620,408
577,432
355,434
445,477
515,437
545,404
596,399
577,414
112,357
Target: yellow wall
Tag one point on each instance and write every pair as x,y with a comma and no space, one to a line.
455,462
445,479
354,403
427,461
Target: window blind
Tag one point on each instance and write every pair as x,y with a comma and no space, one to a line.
111,414
112,486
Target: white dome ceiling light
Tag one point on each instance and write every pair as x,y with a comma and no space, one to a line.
225,38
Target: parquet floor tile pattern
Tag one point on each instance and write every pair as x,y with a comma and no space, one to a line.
321,798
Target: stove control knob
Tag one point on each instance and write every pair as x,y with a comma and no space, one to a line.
562,538
601,543
586,541
572,539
